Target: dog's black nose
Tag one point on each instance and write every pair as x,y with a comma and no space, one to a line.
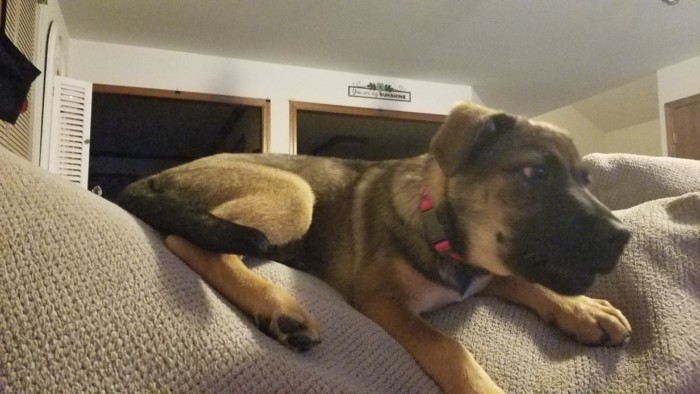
615,235
612,236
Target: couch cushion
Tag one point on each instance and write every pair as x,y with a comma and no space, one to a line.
92,301
623,180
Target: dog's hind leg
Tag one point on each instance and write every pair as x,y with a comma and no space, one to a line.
283,214
169,213
274,311
277,203
283,218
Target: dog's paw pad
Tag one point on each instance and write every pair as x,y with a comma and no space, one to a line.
287,325
293,333
301,341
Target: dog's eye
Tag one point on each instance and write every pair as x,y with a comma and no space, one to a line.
535,173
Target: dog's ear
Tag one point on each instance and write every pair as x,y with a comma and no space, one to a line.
467,127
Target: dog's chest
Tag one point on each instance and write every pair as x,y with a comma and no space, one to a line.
426,295
477,284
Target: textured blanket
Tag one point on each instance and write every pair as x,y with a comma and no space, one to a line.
90,300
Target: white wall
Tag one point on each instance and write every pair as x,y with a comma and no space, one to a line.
641,139
153,68
587,136
676,82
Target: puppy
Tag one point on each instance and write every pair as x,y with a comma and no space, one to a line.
497,206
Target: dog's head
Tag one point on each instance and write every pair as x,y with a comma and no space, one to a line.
518,193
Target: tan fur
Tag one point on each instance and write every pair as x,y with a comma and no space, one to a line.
280,226
591,321
395,304
459,134
263,187
340,212
488,218
251,294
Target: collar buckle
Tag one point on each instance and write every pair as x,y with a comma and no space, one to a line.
435,230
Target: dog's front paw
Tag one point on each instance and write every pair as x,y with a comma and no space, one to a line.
284,319
591,321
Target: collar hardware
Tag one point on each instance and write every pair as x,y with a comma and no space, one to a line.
464,278
435,230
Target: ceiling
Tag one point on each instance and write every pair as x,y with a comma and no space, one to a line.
527,57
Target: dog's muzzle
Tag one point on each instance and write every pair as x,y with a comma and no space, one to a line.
566,248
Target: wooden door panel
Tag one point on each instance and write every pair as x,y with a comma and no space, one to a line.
683,127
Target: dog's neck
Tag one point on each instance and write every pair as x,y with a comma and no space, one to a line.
436,214
423,181
423,185
444,234
436,228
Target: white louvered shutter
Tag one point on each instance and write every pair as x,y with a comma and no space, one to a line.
70,129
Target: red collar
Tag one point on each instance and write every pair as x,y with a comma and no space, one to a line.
435,230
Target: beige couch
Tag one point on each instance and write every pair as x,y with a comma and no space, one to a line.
91,301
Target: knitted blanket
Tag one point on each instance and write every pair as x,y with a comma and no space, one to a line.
91,301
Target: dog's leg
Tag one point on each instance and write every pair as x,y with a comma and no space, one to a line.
274,311
590,321
393,295
283,214
281,220
449,363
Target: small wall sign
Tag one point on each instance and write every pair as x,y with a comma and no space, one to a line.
379,91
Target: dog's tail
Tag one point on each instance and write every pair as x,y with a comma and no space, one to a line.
171,215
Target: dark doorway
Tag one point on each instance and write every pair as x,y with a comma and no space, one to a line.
137,132
359,133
